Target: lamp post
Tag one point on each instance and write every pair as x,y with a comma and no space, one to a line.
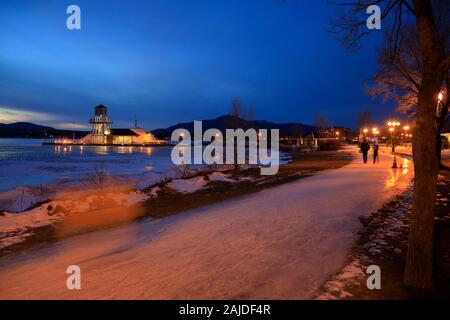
406,128
392,125
439,104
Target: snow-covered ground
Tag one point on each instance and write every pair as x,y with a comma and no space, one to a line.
280,243
17,227
188,185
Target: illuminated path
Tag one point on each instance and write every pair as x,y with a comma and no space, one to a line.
281,244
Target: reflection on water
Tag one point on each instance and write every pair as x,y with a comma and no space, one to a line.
396,174
73,150
405,166
31,163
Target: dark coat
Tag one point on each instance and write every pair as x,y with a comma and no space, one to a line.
365,147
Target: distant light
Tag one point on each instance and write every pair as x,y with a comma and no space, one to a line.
440,96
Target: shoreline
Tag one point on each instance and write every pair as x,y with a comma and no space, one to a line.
168,144
165,201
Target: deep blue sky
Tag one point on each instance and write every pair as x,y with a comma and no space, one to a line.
168,61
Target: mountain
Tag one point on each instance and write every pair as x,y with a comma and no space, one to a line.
31,130
229,122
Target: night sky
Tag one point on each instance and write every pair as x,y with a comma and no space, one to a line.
168,61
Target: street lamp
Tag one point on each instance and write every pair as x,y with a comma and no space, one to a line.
406,128
375,132
439,104
392,125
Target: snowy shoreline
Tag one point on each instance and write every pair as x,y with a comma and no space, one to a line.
16,228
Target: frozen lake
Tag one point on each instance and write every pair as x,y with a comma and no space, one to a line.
26,162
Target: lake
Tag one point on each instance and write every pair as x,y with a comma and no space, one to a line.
25,162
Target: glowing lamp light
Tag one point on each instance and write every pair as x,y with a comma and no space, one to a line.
440,96
391,129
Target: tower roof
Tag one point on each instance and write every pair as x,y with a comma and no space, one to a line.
123,132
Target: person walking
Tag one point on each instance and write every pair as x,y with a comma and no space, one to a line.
365,147
376,157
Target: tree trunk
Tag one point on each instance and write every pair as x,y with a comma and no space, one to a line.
418,272
419,259
442,121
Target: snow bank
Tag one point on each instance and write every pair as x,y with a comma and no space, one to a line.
335,288
130,198
17,227
219,176
188,185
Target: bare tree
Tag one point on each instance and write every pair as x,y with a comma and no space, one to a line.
322,125
435,63
97,178
400,76
364,119
236,107
239,110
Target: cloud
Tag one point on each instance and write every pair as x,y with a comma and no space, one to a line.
74,126
9,115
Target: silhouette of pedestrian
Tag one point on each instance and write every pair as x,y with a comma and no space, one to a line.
376,157
365,146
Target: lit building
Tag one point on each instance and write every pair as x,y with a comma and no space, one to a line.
100,126
102,134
